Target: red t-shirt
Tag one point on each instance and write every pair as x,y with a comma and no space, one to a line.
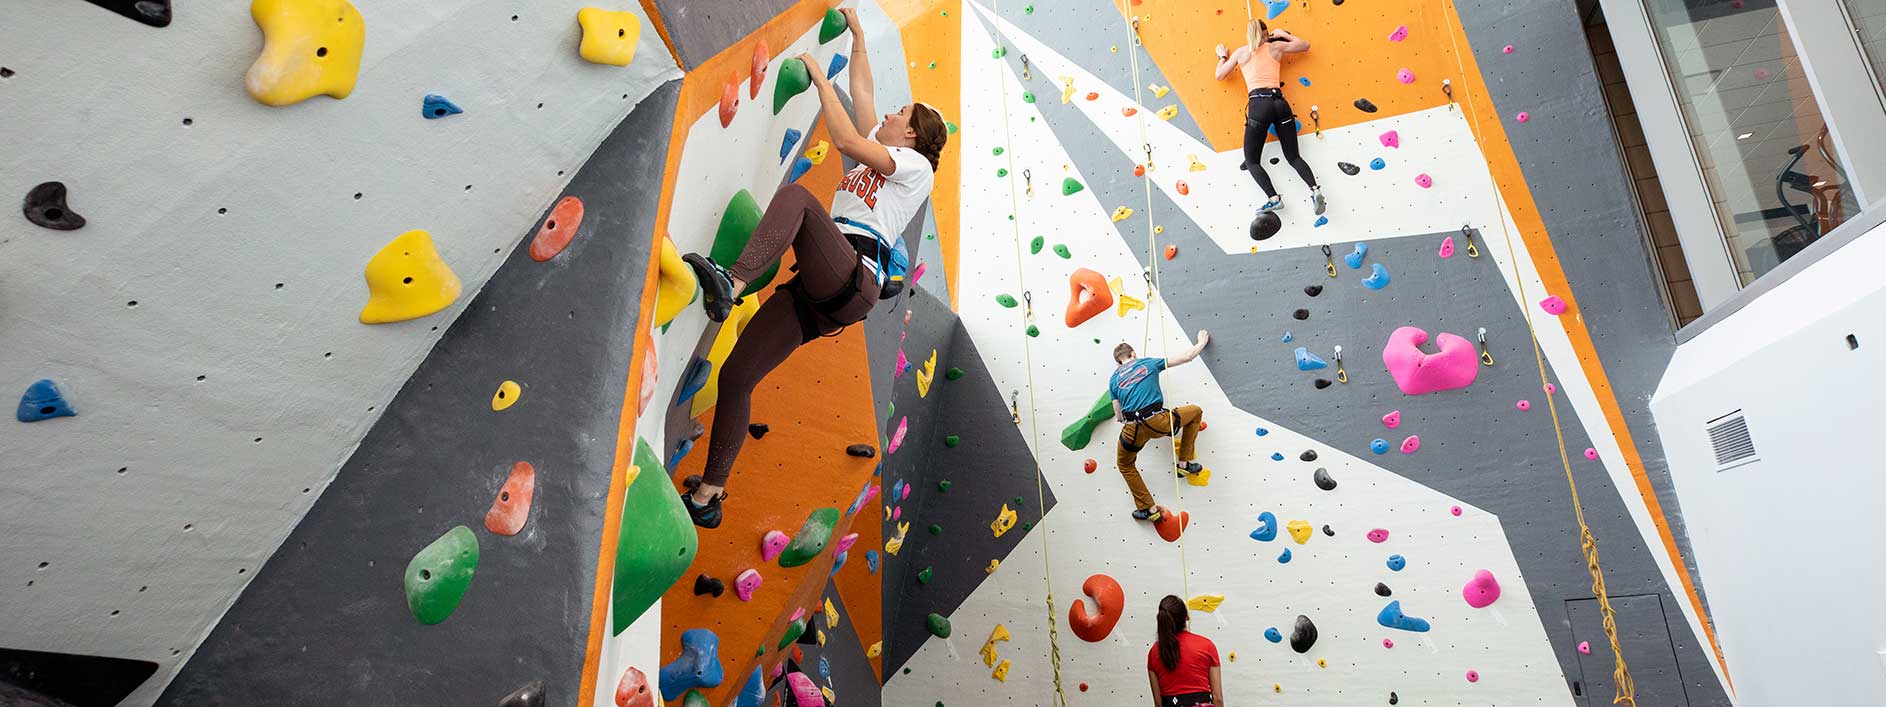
1197,656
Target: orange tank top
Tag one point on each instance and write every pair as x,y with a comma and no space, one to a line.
1264,70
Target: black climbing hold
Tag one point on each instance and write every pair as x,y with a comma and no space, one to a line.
1303,636
1393,698
1301,314
1265,225
1382,590
1274,160
1328,530
1321,383
757,429
861,450
45,206
1323,480
1348,169
1363,104
1244,166
531,695
155,13
704,584
698,430
1313,290
1308,455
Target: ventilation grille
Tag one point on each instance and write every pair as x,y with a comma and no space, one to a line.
1729,437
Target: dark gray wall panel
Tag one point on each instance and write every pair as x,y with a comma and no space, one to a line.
325,620
701,28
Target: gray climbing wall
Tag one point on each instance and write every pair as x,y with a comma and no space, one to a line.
325,620
702,28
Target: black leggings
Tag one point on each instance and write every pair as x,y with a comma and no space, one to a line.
1268,109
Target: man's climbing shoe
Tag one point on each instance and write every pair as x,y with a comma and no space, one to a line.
1316,201
717,295
704,515
1189,468
1149,514
1276,203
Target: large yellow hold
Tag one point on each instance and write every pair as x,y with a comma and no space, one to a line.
407,280
309,48
730,331
674,286
609,37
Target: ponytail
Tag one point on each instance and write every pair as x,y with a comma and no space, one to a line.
1172,620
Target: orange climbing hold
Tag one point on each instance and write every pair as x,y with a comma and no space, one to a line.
1108,597
1088,296
729,100
558,229
1172,251
761,60
511,508
1171,525
1184,189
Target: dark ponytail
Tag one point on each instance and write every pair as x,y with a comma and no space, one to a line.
932,133
1172,620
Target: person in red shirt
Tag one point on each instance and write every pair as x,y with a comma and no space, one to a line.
1183,666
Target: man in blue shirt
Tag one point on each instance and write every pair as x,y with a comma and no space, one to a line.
1141,408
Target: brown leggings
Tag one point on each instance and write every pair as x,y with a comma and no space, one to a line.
826,264
1135,435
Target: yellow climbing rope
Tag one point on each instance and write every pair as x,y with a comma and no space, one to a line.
1620,673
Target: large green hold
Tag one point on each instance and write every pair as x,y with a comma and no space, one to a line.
1077,435
793,631
1069,187
811,539
437,577
736,228
833,26
794,79
656,542
939,626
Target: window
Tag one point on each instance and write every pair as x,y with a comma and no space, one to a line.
1869,26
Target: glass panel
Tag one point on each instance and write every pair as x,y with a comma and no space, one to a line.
1772,171
1869,25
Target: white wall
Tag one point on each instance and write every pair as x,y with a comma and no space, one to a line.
214,413
1788,546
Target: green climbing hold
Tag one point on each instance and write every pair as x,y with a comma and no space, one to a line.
1001,171
833,26
694,698
760,652
943,485
999,52
951,441
953,373
929,236
936,529
1005,300
794,79
1030,525
939,626
656,542
439,574
811,539
998,151
736,228
924,576
951,126
1077,435
1028,9
1069,187
1034,330
1020,501
1028,96
933,66
1061,250
1034,246
793,631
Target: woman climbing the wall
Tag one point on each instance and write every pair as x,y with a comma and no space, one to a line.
848,258
1261,62
1183,666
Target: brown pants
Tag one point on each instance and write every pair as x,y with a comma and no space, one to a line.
1135,435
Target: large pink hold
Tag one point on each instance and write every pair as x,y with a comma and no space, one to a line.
1391,139
1411,445
773,543
1404,76
746,584
897,438
917,274
1553,305
1378,535
844,544
1399,34
804,690
1482,590
1420,373
1447,247
1392,420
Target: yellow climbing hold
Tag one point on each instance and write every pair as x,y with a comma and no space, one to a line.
729,335
1232,656
1003,521
1001,672
821,636
830,697
1197,166
1201,478
875,650
1129,303
1158,90
608,37
1321,663
993,566
817,152
1067,88
926,375
1158,230
1122,214
675,284
1205,602
892,545
1299,531
1278,686
988,647
407,280
1168,112
507,395
831,614
309,48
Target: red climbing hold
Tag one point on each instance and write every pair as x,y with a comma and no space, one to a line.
558,229
1109,599
1171,525
1129,111
633,690
1139,170
511,508
761,58
1093,96
651,370
1090,465
729,99
1088,296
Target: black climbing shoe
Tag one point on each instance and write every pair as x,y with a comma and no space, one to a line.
706,516
717,295
1189,468
1151,514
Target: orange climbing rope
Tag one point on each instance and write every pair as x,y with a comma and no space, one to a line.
1621,673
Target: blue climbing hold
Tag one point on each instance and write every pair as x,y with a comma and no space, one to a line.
1284,559
791,141
754,693
1297,125
825,668
1276,456
1377,163
1354,258
42,401
871,561
1321,221
1273,8
799,168
1378,277
1273,635
436,106
1396,562
1288,336
1266,528
697,666
693,378
838,64
1379,446
681,452
1305,80
1391,617
1307,361
897,492
838,562
1262,431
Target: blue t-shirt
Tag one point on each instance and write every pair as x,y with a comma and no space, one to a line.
1136,384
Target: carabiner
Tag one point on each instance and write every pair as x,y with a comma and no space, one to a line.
1316,122
1486,357
1329,261
1014,405
1342,376
1028,178
1026,74
1447,87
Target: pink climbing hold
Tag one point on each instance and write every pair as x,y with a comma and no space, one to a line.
903,364
1455,510
797,614
1447,247
1522,116
1418,373
1481,591
1388,643
773,543
1523,405
804,691
904,494
917,274
1391,139
897,438
1553,305
1551,389
1378,535
1423,180
1584,647
897,513
1473,676
1392,420
1508,49
1411,445
1399,34
1591,453
746,584
1404,76
1761,74
845,543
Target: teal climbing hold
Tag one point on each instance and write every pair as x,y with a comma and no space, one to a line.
811,538
42,401
1307,361
439,574
1006,300
697,666
1391,617
656,543
1061,250
435,106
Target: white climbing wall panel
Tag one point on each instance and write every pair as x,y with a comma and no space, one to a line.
204,322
